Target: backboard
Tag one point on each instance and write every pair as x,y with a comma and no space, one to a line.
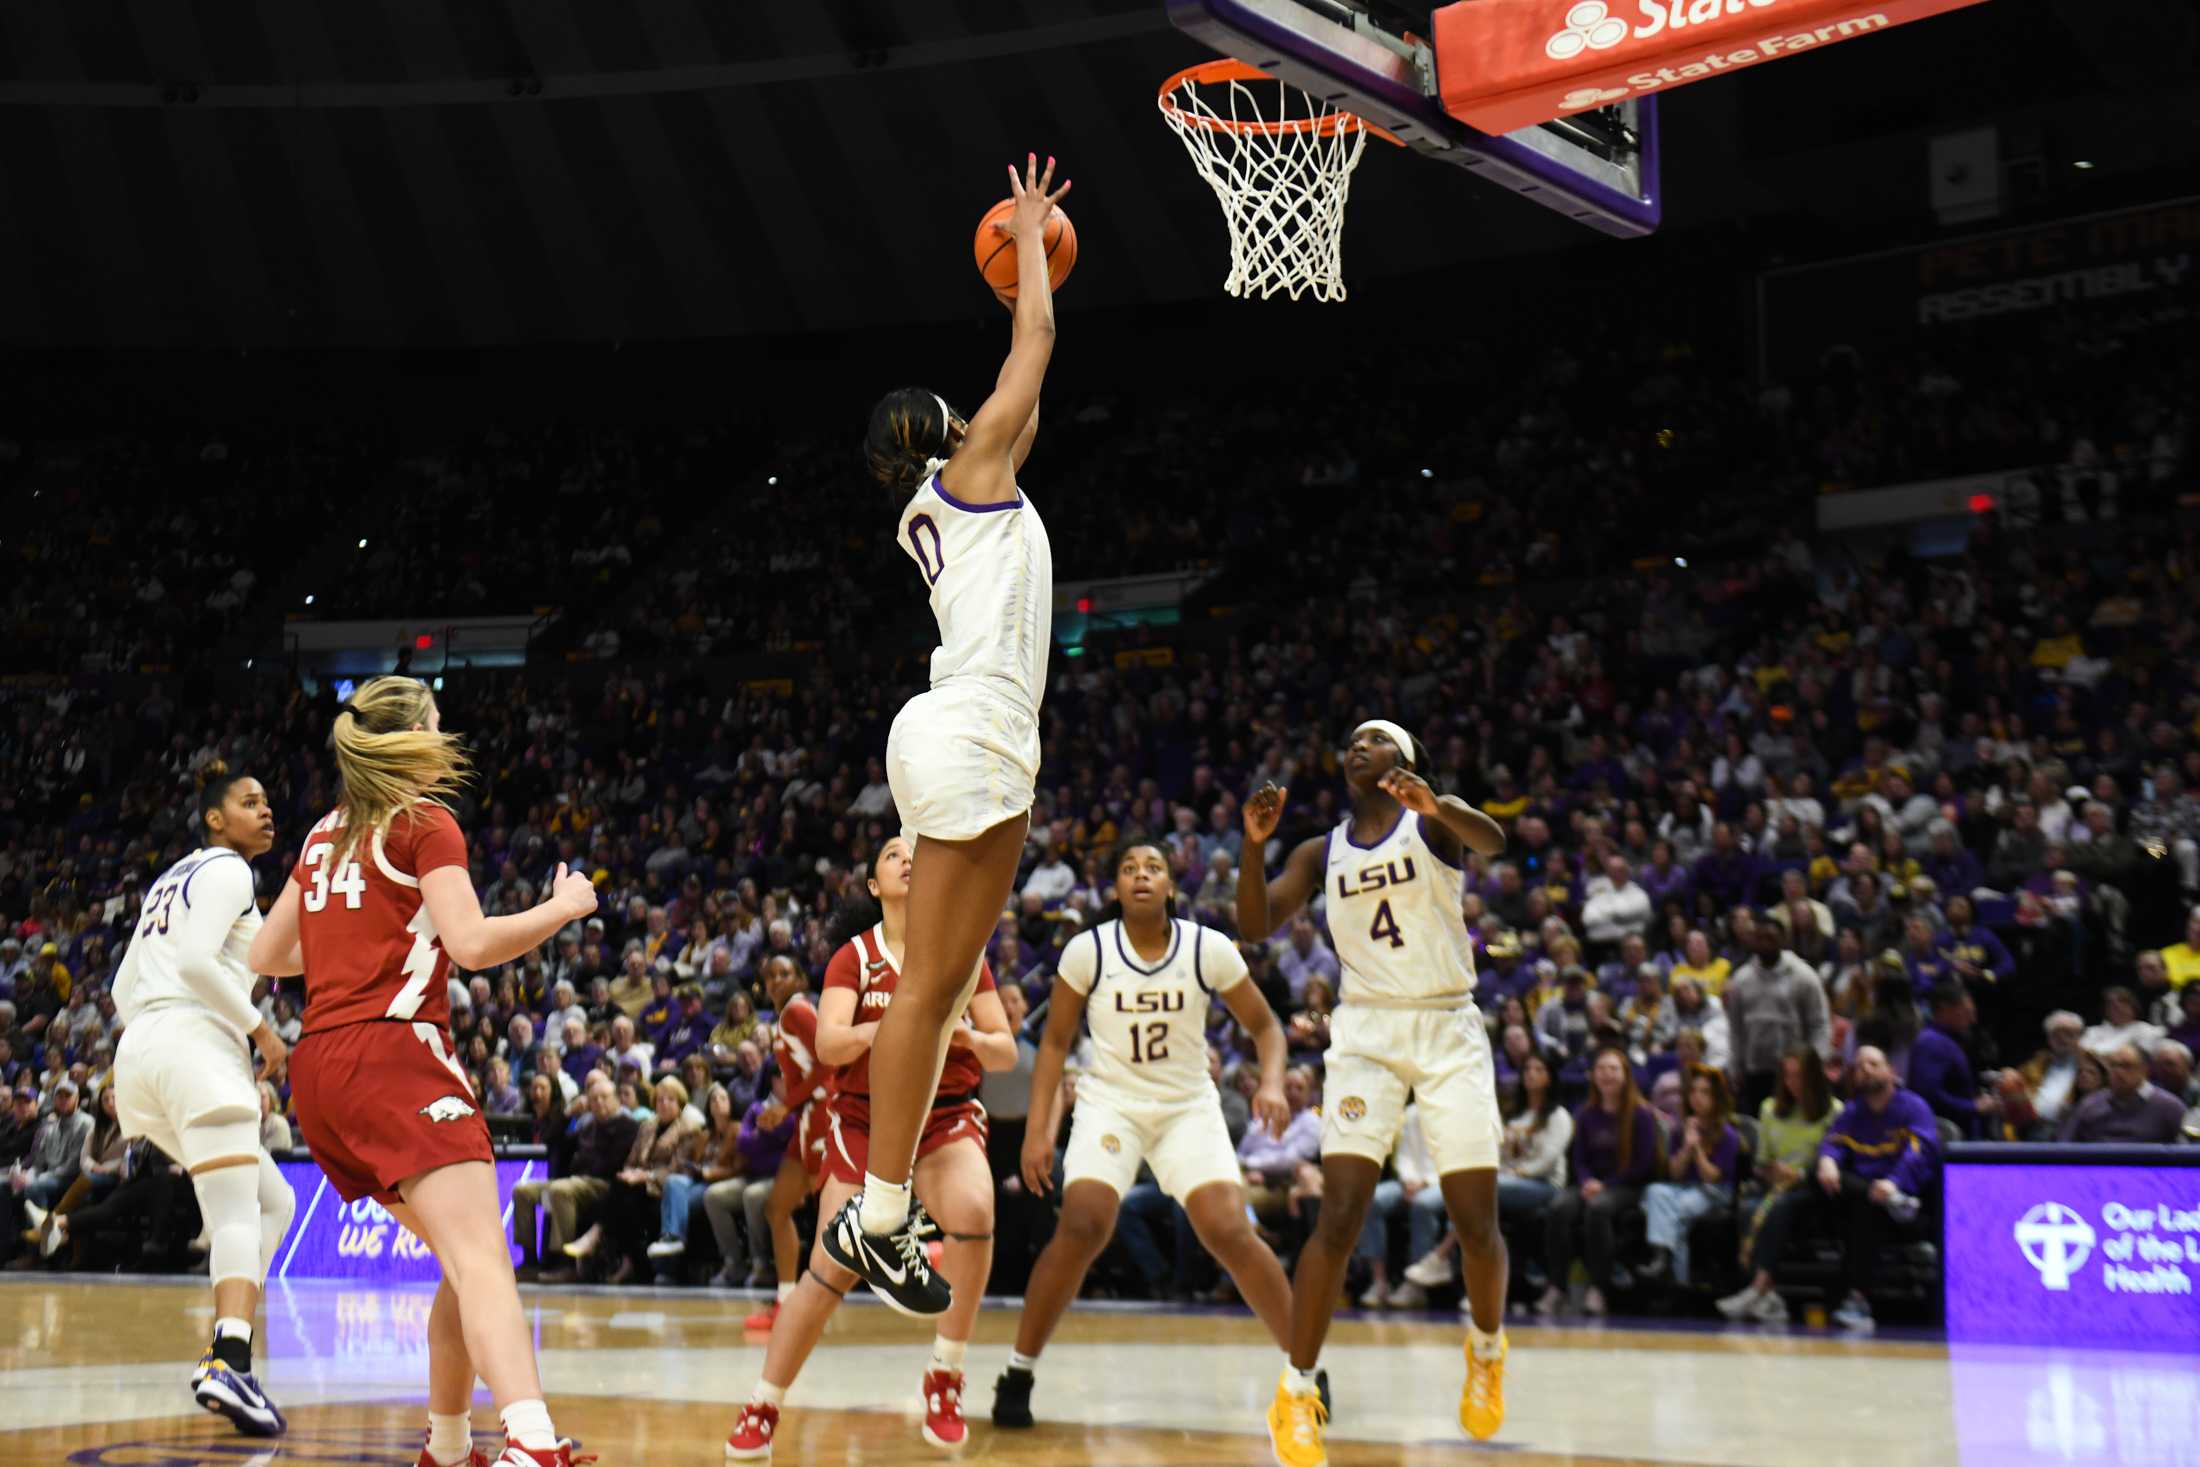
1599,167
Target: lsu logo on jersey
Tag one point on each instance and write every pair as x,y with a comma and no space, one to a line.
449,1108
1375,878
1165,1001
1351,1108
1110,1145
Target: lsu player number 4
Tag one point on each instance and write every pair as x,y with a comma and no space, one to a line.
1390,875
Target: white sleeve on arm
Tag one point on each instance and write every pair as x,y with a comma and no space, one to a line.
217,895
1080,961
1221,963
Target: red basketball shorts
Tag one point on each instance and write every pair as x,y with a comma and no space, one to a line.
848,1137
382,1101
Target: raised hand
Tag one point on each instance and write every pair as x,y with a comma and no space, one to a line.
1264,811
1035,197
1409,790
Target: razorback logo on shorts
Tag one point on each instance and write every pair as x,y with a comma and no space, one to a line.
449,1108
1351,1108
1110,1145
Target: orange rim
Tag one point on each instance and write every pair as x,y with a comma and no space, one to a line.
1231,70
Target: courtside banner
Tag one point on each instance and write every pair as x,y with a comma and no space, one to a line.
330,1238
1507,64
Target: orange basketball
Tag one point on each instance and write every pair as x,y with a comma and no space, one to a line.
997,252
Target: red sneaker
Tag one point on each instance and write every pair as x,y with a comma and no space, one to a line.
561,1455
763,1319
751,1440
475,1458
943,1409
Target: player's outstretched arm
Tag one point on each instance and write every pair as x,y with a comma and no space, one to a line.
1065,1017
982,472
1262,907
275,951
476,942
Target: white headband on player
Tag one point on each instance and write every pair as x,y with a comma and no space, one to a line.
1395,734
947,418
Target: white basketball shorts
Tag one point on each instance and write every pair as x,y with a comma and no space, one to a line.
184,1082
1441,1057
960,760
1187,1144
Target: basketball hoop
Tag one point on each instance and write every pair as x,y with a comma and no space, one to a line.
1281,164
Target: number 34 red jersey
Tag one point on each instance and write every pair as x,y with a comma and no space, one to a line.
371,950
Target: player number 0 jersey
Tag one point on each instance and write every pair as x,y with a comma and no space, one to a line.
989,573
1149,1022
1395,919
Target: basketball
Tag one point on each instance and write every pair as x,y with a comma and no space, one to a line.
997,252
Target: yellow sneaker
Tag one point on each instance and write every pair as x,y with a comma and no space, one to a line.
1295,1428
1482,1401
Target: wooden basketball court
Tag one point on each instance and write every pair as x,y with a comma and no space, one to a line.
93,1373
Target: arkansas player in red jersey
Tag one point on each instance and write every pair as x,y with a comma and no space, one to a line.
377,907
804,1089
952,1179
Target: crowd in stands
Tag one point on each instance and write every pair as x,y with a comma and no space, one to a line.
1806,847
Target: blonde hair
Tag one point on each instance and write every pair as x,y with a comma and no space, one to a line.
386,763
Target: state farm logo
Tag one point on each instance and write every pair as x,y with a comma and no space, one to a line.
1590,26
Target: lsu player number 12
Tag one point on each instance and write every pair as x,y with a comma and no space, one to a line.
1390,875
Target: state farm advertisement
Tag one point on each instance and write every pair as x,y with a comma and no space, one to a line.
1507,64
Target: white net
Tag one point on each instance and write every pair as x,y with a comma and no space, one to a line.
1280,161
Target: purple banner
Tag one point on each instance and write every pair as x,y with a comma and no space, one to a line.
334,1239
2104,1256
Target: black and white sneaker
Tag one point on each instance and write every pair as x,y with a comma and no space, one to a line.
894,1264
1012,1399
236,1395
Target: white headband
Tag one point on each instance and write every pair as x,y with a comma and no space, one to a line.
947,418
1395,734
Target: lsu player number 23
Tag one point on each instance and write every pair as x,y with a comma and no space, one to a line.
1390,875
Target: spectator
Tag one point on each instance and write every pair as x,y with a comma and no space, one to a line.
275,1132
1271,1162
1646,1020
1773,1003
746,1081
581,1053
1791,1125
1690,1010
687,1034
1703,1165
626,1049
1972,952
685,1177
1702,967
1053,879
664,1145
599,1155
2173,1071
2182,961
1952,868
1616,1151
55,1158
2038,1094
1307,956
1562,1024
2131,1109
19,1128
1616,906
739,1025
1412,1186
1942,1073
1795,896
1531,1164
499,1096
2123,1025
2187,1029
1880,1154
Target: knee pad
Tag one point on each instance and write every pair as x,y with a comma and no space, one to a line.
229,1201
278,1205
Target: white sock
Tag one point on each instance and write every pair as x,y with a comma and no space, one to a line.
528,1423
767,1394
885,1205
947,1354
786,1292
1485,1347
450,1438
226,1328
1017,1360
1300,1382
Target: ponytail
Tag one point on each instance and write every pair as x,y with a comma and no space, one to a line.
215,782
387,761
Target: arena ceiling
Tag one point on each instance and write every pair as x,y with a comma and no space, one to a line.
400,173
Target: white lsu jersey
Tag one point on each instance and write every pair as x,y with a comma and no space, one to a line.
200,912
989,570
1149,1024
1395,919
